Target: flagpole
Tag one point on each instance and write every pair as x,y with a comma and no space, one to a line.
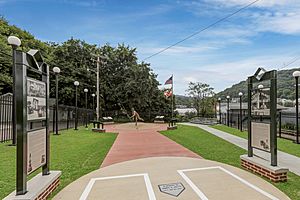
172,95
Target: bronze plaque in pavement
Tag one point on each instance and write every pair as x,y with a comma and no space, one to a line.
174,189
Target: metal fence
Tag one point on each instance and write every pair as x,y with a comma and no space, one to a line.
286,123
66,118
6,132
124,116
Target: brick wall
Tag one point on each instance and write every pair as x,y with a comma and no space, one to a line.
273,176
44,195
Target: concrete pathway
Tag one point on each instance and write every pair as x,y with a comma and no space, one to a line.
172,171
284,159
142,142
169,178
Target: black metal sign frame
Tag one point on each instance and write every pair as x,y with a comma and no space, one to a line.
263,75
28,62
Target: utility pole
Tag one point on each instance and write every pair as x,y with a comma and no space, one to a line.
98,61
97,92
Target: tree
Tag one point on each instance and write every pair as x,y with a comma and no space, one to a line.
123,81
202,95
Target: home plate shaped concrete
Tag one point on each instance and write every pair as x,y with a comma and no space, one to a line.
162,178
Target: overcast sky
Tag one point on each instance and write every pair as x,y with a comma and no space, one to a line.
267,34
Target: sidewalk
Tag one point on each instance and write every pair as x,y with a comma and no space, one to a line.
284,159
143,142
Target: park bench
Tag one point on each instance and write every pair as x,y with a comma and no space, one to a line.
108,120
98,126
159,119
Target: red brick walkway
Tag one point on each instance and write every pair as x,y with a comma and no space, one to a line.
143,142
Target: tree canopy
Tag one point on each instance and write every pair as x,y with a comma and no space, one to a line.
124,82
202,95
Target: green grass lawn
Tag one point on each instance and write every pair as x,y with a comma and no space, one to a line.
214,148
282,144
75,153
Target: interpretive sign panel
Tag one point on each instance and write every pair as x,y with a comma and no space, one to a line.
36,155
31,92
261,136
262,113
174,189
36,100
260,101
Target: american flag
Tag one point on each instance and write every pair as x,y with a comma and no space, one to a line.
169,81
168,93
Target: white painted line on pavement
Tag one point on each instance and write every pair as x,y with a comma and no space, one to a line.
89,186
193,186
201,194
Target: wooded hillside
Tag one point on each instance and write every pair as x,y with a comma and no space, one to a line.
285,84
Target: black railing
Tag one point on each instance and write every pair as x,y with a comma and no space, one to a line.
66,118
286,123
6,132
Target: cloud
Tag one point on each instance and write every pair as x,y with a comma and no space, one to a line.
86,3
284,23
221,74
177,50
260,4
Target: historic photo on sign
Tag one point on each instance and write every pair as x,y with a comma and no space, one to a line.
260,100
261,136
36,99
36,156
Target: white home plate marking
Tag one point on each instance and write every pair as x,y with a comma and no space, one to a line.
204,197
89,186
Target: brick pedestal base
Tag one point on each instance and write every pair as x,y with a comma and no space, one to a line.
44,195
99,130
172,127
263,168
39,187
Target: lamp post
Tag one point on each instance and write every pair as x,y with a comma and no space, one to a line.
86,123
93,95
219,101
76,83
228,98
56,71
241,119
260,87
15,42
296,74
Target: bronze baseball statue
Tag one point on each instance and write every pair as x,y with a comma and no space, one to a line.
135,116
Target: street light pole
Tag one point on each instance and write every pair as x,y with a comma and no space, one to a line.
219,100
93,95
296,74
241,119
228,98
76,83
15,42
86,123
56,71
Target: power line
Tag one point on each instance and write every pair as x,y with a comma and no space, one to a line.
290,62
205,28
